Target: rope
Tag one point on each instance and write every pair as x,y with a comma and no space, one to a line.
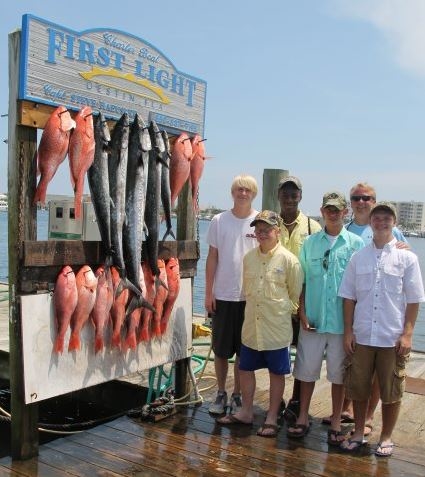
60,429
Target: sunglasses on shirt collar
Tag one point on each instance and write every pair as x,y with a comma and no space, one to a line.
325,262
364,198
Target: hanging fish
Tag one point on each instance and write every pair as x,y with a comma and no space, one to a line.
135,200
160,297
145,333
65,297
196,167
135,317
153,198
165,186
86,286
98,180
172,269
52,149
100,314
81,153
181,155
118,312
117,167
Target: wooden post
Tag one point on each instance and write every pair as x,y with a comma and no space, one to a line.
22,144
271,179
185,231
185,215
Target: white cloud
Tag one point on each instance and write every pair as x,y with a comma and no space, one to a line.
402,23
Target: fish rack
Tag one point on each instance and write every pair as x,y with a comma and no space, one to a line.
34,265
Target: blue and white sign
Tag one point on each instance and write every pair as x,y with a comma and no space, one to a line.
109,70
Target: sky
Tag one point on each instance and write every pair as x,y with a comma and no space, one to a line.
332,91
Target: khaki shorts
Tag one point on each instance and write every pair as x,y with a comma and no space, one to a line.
390,369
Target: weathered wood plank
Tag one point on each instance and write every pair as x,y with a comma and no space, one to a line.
164,451
107,460
48,253
30,468
42,260
22,143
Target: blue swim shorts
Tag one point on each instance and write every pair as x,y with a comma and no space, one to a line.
277,361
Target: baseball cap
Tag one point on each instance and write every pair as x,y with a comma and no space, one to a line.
385,206
337,199
292,179
267,216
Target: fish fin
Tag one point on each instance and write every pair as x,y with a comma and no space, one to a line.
163,161
58,346
137,302
116,340
109,260
156,331
133,305
130,341
160,283
120,288
74,342
168,232
144,334
128,284
40,193
164,325
98,344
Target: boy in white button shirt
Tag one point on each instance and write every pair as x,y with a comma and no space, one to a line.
382,288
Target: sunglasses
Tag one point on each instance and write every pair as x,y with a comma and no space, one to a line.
364,198
325,262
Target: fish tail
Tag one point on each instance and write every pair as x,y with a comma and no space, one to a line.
168,232
74,342
98,344
40,193
77,202
163,324
130,341
159,283
116,340
156,329
144,334
59,343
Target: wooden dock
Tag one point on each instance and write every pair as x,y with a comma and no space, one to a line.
190,443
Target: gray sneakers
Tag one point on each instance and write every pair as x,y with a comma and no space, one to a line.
220,404
235,403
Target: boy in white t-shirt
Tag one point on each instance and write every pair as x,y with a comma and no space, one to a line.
230,236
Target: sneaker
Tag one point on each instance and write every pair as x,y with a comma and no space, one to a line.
220,403
235,403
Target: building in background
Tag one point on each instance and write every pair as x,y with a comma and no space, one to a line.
410,216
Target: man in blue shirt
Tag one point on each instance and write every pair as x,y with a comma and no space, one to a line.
323,257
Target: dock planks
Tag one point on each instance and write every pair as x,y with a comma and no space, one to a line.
190,443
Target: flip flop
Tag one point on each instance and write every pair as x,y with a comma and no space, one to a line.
327,421
231,420
351,445
345,419
366,433
380,449
333,437
274,430
303,431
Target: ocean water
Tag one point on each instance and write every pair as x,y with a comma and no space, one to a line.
417,244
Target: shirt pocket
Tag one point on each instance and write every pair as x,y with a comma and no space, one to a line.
315,267
393,279
249,283
364,277
275,284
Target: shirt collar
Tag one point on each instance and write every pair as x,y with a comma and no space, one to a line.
387,245
270,253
